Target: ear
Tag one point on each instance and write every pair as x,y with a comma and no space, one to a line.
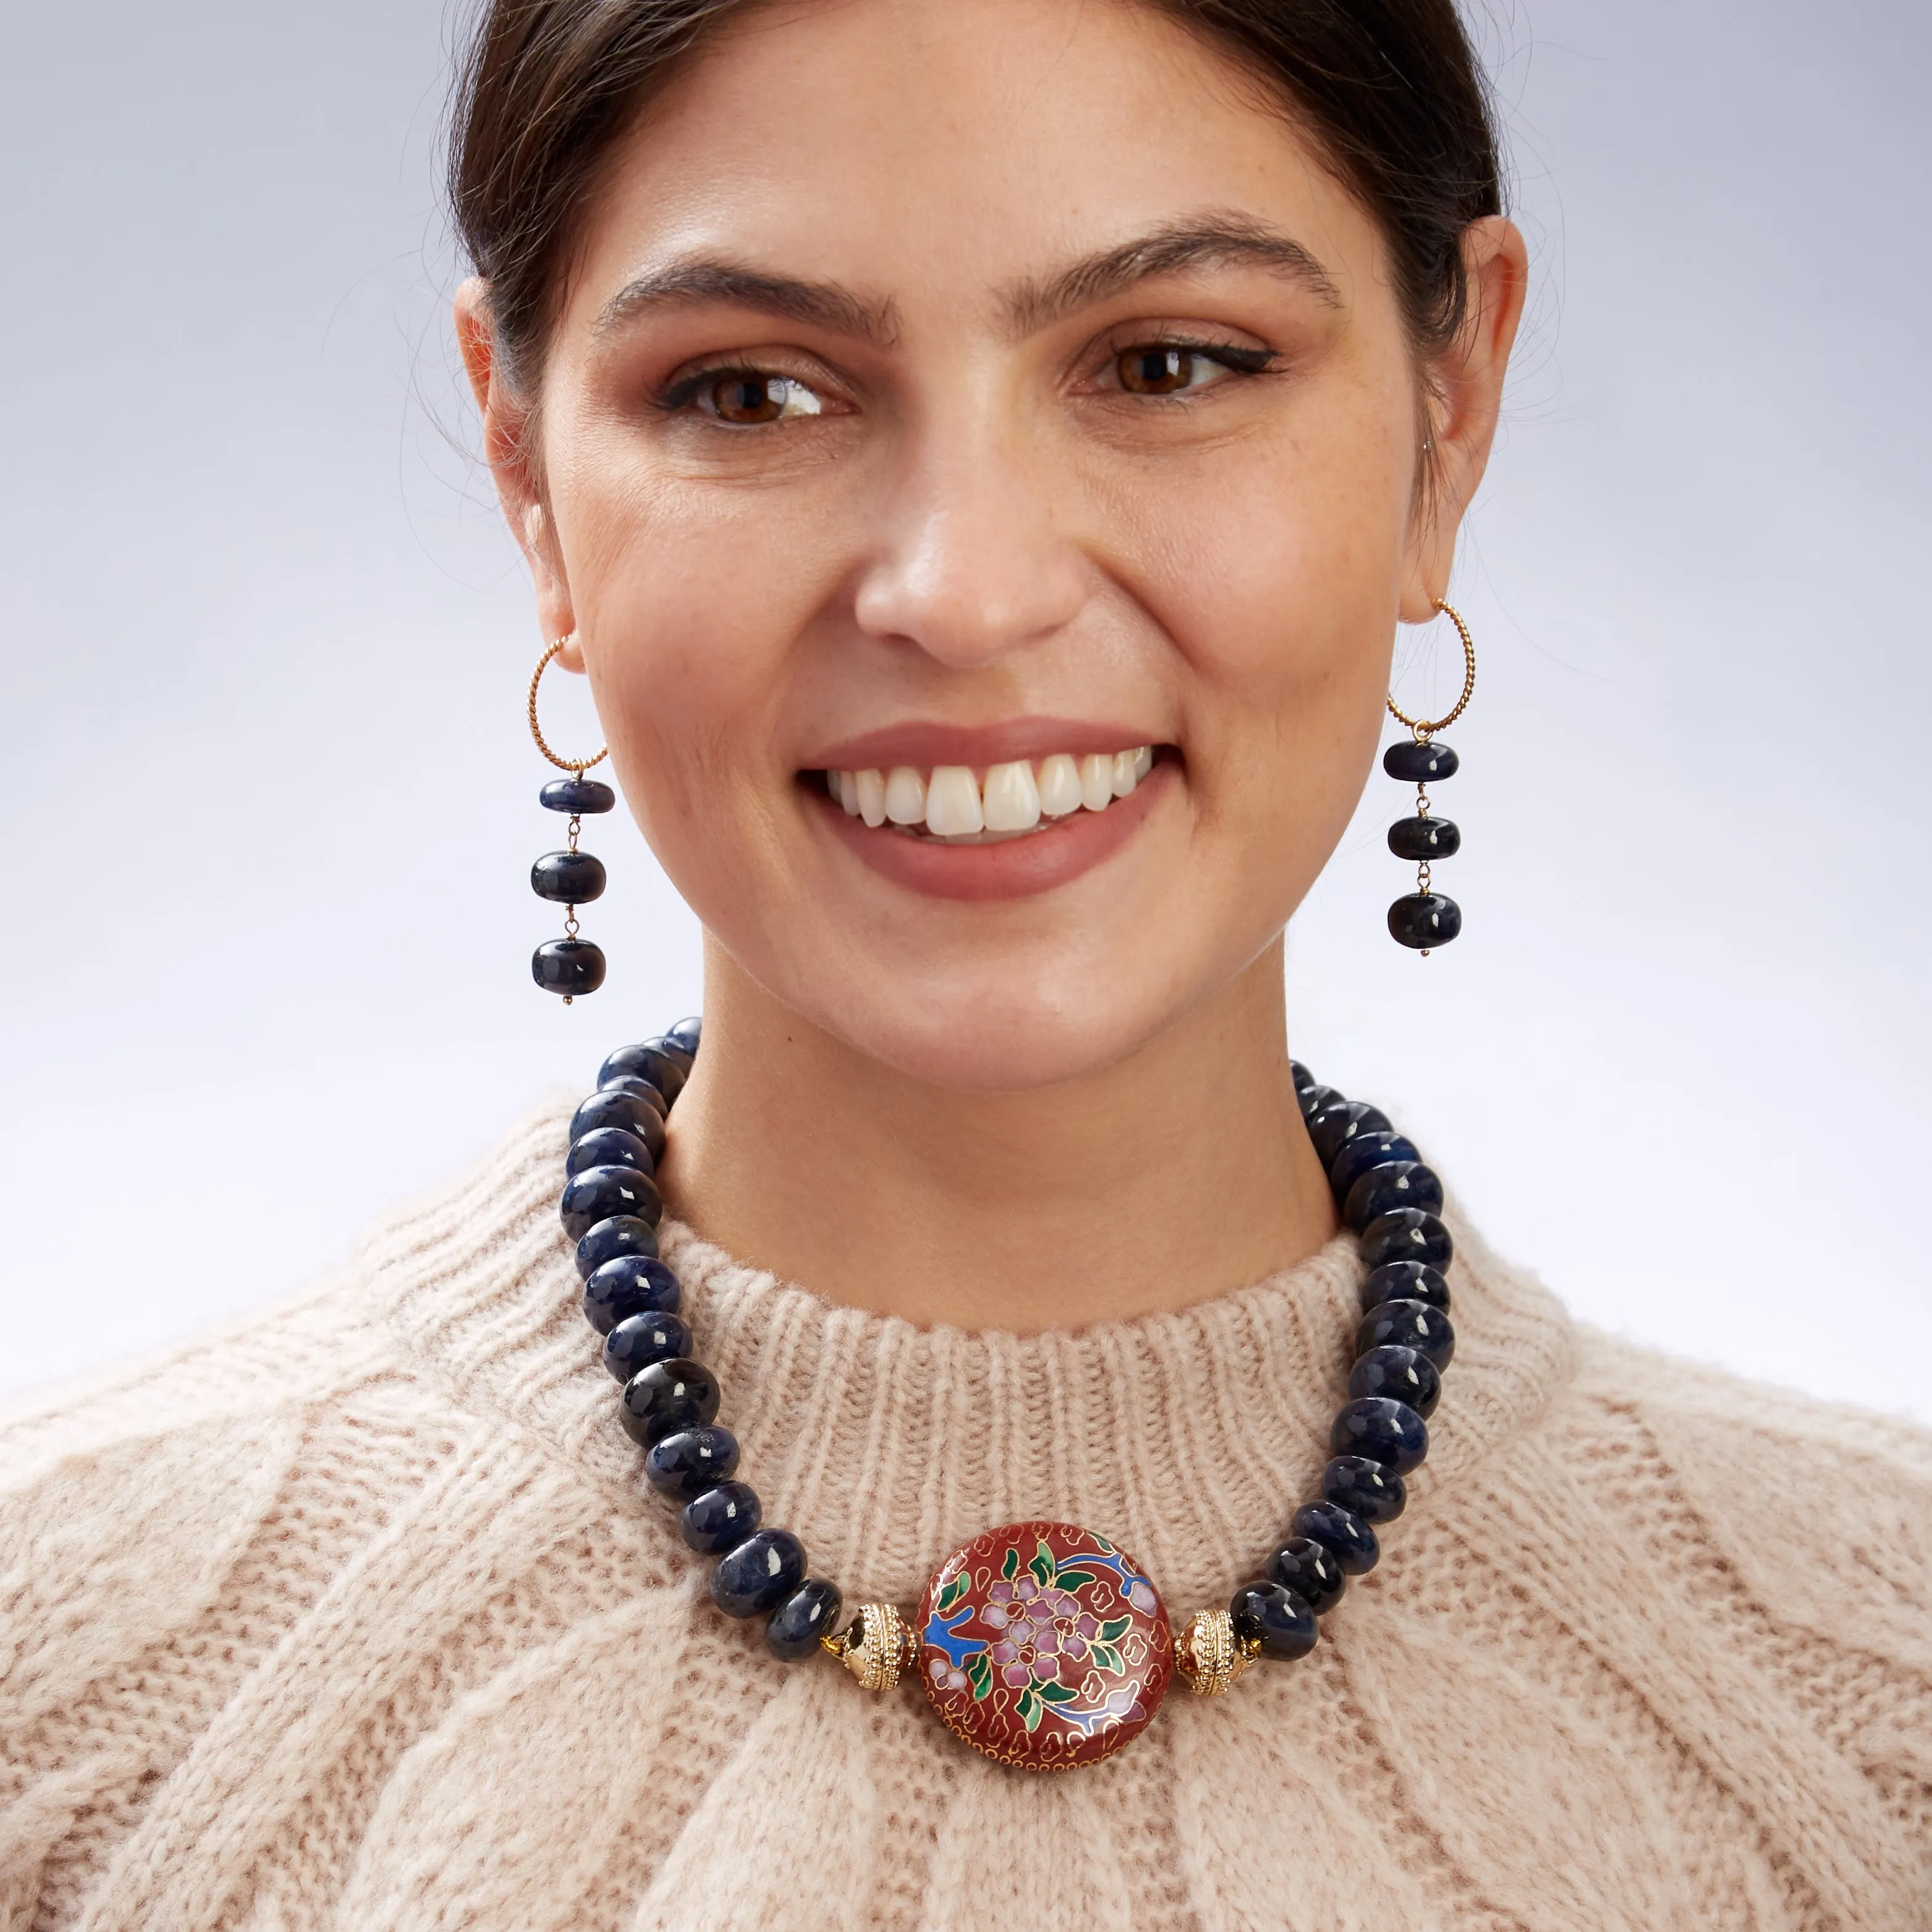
1466,399
508,422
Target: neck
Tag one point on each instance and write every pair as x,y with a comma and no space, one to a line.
1176,1174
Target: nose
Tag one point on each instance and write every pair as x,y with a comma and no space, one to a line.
974,565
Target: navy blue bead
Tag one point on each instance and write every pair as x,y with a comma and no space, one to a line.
599,1193
627,1286
648,1060
1339,1122
1419,764
608,1147
1404,1375
1305,1082
808,1615
693,1460
1408,1235
1421,920
687,1034
1314,1098
718,1520
579,797
611,1108
1364,1489
667,1397
572,966
1363,1154
1309,1569
622,1234
1423,839
568,878
1386,1431
1405,1281
1285,1624
1409,1324
639,1340
1346,1536
759,1574
1394,1184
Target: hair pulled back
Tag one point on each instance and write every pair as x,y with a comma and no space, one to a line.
1390,88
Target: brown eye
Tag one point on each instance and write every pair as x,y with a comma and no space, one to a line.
1156,371
749,399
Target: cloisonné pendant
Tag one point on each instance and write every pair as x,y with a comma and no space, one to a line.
1043,1646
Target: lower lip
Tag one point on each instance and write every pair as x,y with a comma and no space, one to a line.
1014,868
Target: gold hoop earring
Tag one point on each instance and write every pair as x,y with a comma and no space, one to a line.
1423,920
570,878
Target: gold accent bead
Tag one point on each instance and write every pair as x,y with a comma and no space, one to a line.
1209,1655
877,1646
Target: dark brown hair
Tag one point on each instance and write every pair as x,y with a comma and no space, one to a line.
1390,88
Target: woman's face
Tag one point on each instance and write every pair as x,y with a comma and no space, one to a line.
994,390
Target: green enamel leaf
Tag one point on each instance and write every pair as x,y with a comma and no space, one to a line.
1041,1565
1105,1548
1011,1567
1058,1693
1105,1656
1029,1710
1115,1628
979,1675
953,1591
1073,1580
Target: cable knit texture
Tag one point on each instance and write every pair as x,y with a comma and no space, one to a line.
361,1616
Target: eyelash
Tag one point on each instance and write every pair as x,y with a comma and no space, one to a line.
1237,359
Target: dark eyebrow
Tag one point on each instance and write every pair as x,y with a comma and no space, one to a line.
1212,240
704,278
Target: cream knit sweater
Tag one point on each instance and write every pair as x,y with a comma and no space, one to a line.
361,1616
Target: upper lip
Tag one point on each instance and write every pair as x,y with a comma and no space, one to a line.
923,744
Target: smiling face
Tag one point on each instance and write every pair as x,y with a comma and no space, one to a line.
978,452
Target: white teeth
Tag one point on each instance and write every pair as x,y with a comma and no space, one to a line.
905,797
953,802
1059,785
1012,799
1096,781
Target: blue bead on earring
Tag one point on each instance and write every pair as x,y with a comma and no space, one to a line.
1424,919
569,878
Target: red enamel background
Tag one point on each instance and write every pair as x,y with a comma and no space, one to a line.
1043,1646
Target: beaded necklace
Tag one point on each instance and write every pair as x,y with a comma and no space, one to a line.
1041,1644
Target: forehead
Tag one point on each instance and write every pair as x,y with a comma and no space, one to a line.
954,147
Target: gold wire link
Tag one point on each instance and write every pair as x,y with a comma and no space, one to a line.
579,765
1423,728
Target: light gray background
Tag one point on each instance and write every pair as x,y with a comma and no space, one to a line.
268,804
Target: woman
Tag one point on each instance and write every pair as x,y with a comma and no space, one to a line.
980,455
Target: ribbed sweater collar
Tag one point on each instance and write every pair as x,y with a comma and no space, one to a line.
1187,1438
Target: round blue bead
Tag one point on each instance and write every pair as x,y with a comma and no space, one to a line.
667,1396
1346,1535
1422,920
1405,1281
568,878
687,1034
1309,1569
1408,1235
651,1060
639,1340
1409,1324
622,1234
1314,1098
1364,1155
630,1112
693,1460
1385,1430
599,1193
1394,1184
629,1284
1286,1624
1404,1375
608,1147
718,1520
806,1617
1339,1122
1423,840
759,1573
572,966
1305,1082
1419,764
580,797
1369,1490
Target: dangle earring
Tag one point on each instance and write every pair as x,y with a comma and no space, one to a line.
569,878
1424,919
